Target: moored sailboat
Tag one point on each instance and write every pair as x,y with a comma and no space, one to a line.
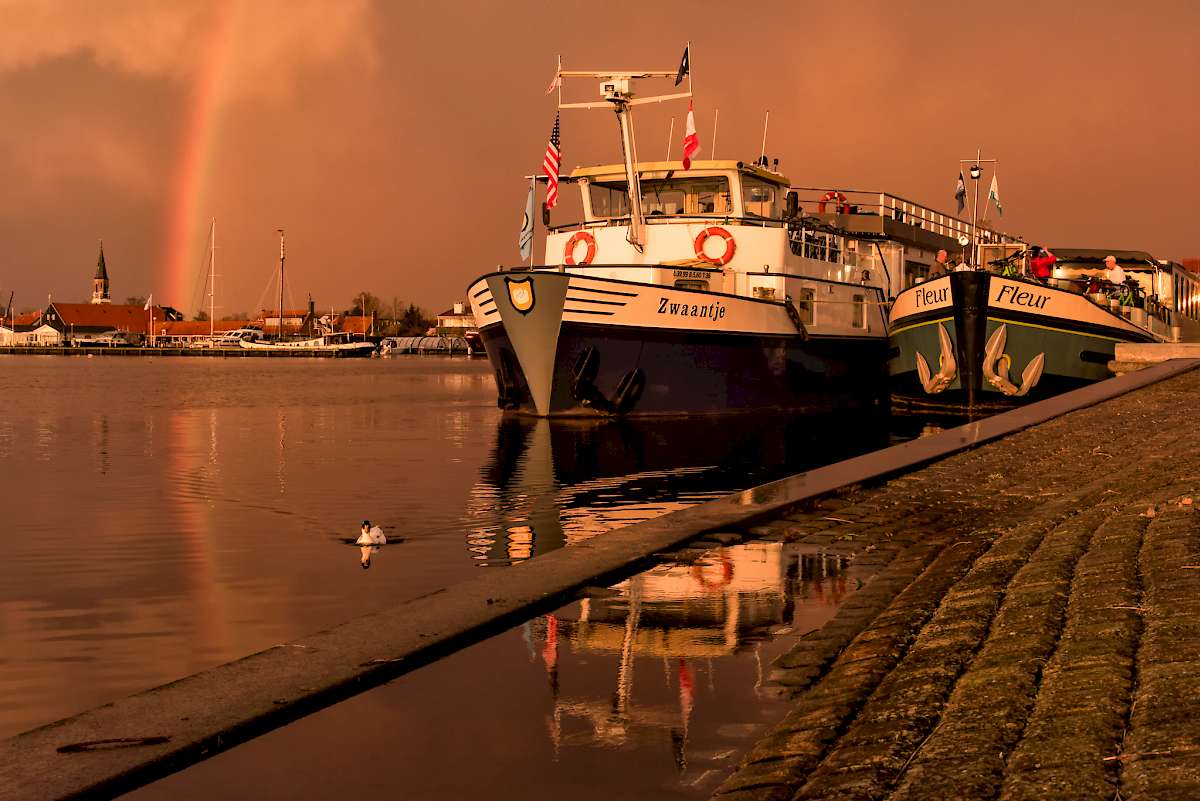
332,344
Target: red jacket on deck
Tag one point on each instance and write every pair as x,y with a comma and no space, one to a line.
1041,265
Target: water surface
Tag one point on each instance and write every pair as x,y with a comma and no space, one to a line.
167,515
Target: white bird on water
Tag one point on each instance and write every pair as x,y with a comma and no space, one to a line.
371,535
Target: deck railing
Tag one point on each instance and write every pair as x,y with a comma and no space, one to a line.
882,204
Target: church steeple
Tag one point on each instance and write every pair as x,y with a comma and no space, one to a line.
100,281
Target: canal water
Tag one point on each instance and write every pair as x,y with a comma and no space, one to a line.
164,515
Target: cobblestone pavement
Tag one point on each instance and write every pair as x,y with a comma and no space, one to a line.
1030,630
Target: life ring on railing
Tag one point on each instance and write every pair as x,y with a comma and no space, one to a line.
708,584
843,206
730,245
576,238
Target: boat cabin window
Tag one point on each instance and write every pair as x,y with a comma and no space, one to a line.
860,312
915,272
758,197
609,200
691,283
690,196
663,197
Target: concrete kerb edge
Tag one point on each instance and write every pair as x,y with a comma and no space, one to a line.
428,628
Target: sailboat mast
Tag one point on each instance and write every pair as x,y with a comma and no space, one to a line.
212,280
281,255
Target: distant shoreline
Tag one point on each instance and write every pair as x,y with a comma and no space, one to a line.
135,350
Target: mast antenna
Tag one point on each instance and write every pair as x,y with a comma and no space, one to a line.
762,156
617,91
279,334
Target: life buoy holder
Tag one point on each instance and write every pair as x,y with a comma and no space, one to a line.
730,245
843,206
709,584
576,238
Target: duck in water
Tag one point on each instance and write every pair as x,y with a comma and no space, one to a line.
371,538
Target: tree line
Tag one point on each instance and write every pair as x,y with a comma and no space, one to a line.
394,319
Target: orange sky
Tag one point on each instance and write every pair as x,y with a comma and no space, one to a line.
389,139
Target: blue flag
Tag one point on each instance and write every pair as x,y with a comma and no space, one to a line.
960,192
525,241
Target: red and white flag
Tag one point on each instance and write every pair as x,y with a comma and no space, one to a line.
556,83
691,142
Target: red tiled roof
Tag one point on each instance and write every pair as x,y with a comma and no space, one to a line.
106,316
28,318
354,324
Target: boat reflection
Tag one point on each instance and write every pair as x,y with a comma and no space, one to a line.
687,626
681,629
552,483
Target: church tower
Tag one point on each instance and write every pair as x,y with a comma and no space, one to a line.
100,282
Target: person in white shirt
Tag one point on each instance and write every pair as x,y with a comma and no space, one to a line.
1115,274
370,539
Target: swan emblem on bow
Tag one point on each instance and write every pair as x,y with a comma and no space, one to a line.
996,363
947,366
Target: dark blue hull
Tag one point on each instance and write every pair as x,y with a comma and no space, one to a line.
604,369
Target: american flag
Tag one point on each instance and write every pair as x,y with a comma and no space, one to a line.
550,165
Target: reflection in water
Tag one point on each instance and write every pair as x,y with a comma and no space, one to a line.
365,552
550,483
100,442
660,633
680,617
649,689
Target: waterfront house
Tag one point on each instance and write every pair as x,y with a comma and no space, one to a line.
21,329
296,322
454,321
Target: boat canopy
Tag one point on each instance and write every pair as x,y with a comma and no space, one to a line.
1137,258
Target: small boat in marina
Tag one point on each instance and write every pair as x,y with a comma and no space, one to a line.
339,344
979,339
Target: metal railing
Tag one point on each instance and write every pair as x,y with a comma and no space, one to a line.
882,204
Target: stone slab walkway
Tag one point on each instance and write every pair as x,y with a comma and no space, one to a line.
1032,630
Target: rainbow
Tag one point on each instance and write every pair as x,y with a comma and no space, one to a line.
190,185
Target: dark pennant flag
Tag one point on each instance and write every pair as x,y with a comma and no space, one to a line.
684,66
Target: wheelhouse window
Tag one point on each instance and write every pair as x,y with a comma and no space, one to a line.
663,197
690,196
609,200
758,197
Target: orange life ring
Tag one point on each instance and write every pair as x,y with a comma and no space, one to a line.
843,207
730,245
707,584
576,238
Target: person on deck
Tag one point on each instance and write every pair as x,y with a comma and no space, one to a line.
1041,263
939,267
1114,273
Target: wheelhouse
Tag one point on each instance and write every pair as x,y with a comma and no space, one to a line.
728,190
